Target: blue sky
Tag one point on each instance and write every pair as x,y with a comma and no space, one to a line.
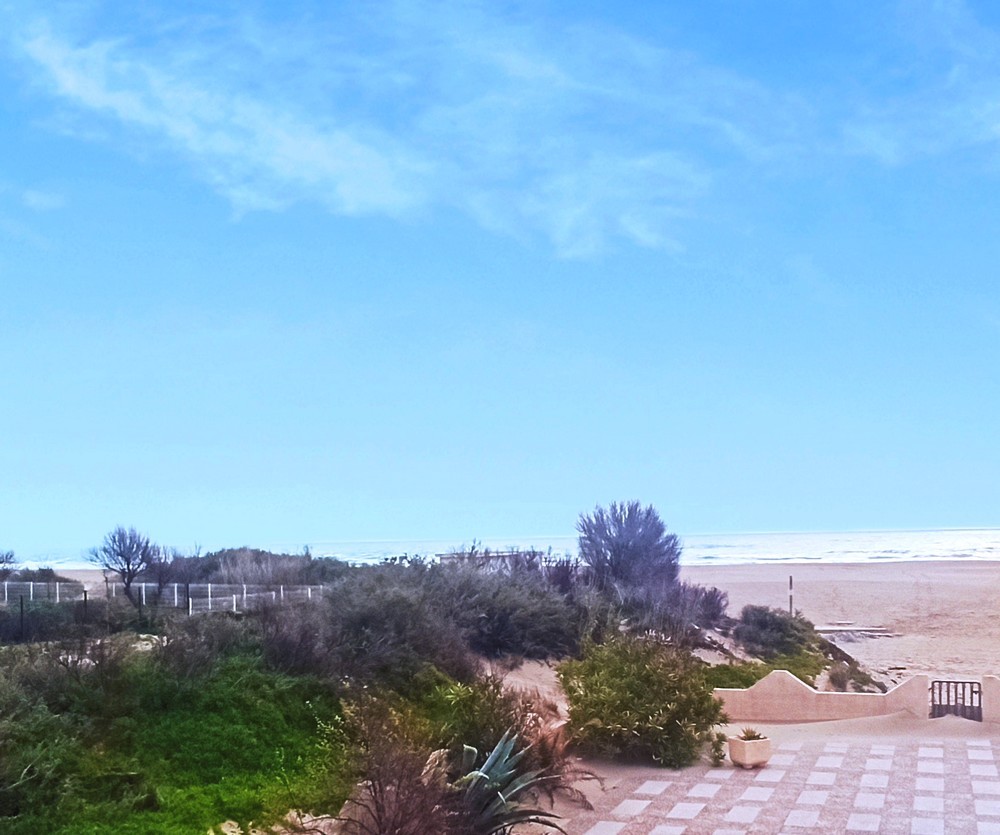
299,272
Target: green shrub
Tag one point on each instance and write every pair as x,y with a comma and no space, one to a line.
770,632
640,699
736,676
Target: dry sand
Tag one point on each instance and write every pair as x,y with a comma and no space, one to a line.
942,616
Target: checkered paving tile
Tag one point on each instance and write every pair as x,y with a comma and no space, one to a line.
936,787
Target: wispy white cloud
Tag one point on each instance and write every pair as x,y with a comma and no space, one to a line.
42,201
583,135
946,93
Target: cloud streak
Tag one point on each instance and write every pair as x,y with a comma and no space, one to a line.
419,107
583,135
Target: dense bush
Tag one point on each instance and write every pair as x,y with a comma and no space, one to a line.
638,698
105,737
769,632
628,544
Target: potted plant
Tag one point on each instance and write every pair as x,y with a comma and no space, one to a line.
751,749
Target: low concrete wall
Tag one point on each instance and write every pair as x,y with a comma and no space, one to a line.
991,699
781,697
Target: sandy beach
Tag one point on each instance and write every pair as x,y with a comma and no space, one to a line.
942,616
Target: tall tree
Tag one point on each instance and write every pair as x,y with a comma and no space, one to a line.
127,553
628,544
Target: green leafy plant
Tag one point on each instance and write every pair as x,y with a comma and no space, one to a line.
493,795
748,734
637,698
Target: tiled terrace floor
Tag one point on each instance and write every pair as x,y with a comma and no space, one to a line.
886,785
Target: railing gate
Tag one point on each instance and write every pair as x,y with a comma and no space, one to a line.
957,698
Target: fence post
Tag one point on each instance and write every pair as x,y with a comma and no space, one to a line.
57,591
143,585
84,605
282,594
187,592
190,606
4,591
234,602
175,596
244,595
31,591
22,617
210,597
274,596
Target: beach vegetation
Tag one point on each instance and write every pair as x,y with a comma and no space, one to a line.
769,632
640,699
126,553
628,544
8,565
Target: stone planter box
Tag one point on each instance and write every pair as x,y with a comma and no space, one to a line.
749,753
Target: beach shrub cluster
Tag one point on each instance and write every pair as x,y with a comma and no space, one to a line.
116,737
638,698
771,632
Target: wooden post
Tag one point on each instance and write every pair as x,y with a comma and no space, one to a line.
31,591
244,595
234,602
176,603
190,606
210,597
4,591
84,605
143,585
282,594
791,610
57,592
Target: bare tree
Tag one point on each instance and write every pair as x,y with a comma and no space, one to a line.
127,553
628,544
8,565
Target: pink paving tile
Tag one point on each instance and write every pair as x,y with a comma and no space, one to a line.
743,814
830,762
630,808
864,823
930,784
923,803
821,778
988,808
983,770
927,826
802,818
654,787
685,811
877,764
874,781
704,790
605,828
869,800
770,775
758,793
986,787
979,754
813,798
667,829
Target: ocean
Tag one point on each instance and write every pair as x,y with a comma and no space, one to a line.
698,549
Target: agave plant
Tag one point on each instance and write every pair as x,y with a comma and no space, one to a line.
492,793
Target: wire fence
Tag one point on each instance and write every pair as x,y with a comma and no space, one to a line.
192,597
35,592
214,597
